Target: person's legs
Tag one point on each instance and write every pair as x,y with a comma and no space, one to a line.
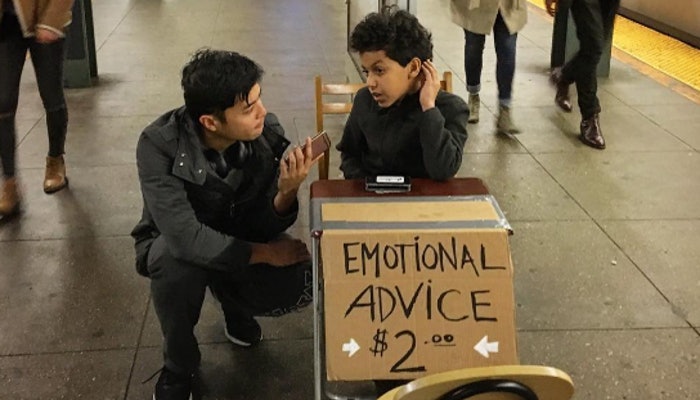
609,10
48,65
473,60
556,77
260,290
13,49
265,291
473,63
581,69
505,44
178,290
590,31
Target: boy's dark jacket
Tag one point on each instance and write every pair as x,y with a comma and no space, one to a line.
206,220
403,139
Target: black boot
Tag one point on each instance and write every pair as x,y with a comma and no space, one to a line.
591,134
562,98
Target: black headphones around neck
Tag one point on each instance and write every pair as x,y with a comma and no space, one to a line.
239,153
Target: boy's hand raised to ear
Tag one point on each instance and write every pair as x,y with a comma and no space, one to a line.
431,85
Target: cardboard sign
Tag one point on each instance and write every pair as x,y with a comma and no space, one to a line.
400,304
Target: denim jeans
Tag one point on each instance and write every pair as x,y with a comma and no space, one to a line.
505,44
594,23
48,65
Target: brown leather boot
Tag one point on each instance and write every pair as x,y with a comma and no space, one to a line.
562,98
9,198
55,177
591,134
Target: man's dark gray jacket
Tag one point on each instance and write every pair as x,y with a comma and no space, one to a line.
206,220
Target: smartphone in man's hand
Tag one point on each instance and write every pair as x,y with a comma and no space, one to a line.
319,144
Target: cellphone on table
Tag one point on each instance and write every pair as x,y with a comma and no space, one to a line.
388,183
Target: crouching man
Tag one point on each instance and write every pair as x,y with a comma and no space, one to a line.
218,195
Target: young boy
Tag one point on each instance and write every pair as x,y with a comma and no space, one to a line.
401,123
217,195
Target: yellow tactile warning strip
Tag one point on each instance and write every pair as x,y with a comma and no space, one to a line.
660,52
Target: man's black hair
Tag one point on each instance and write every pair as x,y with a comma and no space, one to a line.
398,33
214,80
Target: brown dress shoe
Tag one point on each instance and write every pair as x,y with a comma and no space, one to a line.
591,134
55,177
562,98
9,198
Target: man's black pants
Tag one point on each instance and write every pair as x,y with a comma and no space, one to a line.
178,290
594,23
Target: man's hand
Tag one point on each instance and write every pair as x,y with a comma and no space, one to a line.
280,253
551,6
46,36
431,85
293,170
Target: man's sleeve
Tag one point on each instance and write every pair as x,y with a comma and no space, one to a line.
443,133
187,239
352,145
263,220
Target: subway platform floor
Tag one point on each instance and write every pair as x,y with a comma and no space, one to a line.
605,247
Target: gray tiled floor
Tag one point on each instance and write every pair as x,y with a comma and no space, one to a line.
605,245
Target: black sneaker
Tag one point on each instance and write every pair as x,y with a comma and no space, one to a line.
172,386
244,332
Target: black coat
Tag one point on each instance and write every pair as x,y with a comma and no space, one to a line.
403,139
207,220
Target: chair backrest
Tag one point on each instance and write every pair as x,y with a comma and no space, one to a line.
343,107
526,382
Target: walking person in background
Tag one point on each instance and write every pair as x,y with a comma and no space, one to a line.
37,26
594,21
478,18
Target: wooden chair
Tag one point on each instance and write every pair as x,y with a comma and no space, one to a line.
348,90
521,382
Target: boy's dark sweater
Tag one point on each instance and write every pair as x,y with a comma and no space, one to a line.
402,139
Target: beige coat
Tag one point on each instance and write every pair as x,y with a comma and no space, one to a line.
54,15
478,16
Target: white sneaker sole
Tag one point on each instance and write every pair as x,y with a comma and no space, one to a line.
239,342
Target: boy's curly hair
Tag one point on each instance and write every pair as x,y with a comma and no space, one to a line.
398,33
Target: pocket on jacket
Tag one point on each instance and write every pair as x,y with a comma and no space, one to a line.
142,251
156,251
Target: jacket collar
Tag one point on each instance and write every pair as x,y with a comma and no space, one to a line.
409,100
190,163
